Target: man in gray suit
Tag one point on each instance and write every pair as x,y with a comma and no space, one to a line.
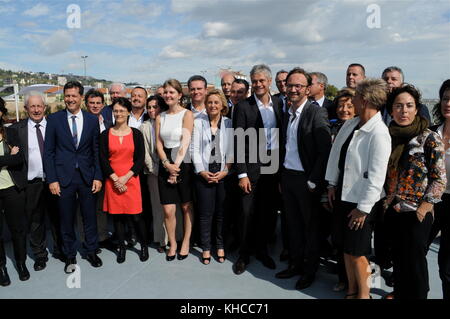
305,146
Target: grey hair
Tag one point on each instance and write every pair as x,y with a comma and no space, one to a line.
261,68
122,86
321,78
391,69
34,93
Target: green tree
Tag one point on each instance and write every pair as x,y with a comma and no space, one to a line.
331,92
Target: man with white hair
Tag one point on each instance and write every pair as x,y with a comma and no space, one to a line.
260,113
39,201
116,90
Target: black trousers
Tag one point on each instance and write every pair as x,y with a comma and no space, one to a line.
121,220
442,223
382,243
409,250
12,202
78,190
211,200
258,215
302,221
232,210
40,203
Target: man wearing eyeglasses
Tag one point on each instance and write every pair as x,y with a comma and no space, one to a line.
305,146
280,81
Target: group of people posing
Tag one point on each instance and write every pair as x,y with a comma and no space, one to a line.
220,169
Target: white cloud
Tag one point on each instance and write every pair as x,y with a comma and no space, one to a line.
37,11
58,42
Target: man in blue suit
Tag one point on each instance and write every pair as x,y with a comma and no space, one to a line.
72,167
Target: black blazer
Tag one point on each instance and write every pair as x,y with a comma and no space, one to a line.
138,155
314,141
14,163
247,115
331,108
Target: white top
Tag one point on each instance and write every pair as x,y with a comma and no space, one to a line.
132,122
35,167
270,123
365,163
5,178
440,131
78,121
292,159
171,128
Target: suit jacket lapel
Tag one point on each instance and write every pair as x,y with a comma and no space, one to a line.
23,136
66,128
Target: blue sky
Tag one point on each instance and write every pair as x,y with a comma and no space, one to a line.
150,41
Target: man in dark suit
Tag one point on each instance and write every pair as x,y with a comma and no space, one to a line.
256,122
226,82
39,200
238,93
280,82
317,93
95,102
115,90
305,146
71,163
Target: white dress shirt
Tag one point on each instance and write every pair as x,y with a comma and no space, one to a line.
292,159
132,122
79,121
35,166
270,123
321,100
101,123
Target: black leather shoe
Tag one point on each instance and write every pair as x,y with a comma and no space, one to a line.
266,261
143,254
284,255
70,265
121,254
23,272
40,263
292,271
304,282
4,277
239,266
94,260
131,242
107,244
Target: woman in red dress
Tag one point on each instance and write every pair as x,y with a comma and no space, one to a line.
122,159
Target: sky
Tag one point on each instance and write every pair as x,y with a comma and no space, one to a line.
150,41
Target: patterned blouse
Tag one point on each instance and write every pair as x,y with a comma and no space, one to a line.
421,175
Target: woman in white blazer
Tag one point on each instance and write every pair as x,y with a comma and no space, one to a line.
356,172
212,151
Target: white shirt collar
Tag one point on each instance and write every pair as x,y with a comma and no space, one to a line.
299,109
260,104
142,115
321,100
76,114
42,123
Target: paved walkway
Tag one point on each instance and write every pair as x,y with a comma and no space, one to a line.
187,279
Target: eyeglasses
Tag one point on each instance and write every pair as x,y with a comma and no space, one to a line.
296,86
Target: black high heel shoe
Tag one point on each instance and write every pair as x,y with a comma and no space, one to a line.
181,257
121,254
206,259
170,258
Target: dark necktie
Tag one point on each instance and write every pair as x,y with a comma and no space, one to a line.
40,139
74,131
315,103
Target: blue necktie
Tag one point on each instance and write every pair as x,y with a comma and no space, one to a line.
74,131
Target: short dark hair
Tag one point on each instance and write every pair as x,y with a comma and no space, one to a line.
393,69
139,87
298,70
93,93
359,65
159,101
243,81
74,84
437,112
405,88
197,78
124,102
